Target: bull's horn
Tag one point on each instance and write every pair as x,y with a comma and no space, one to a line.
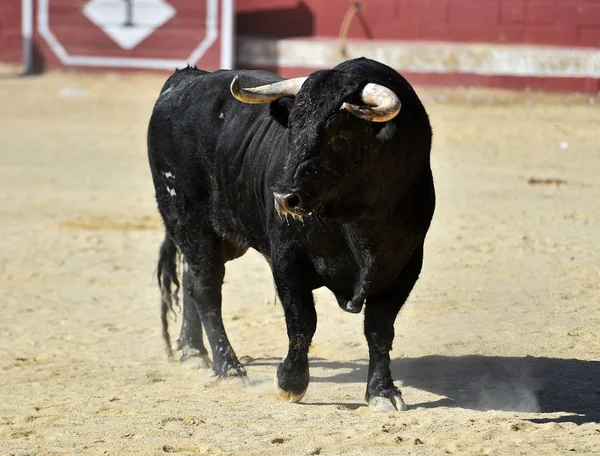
381,104
266,93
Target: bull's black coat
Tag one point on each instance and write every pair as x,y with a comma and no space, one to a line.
368,186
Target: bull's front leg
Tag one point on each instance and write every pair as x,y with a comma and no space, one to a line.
382,395
296,297
380,314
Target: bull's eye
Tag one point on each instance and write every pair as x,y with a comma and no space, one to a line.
339,137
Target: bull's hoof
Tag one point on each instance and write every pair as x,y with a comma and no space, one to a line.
232,371
394,403
203,363
190,353
288,396
229,368
292,379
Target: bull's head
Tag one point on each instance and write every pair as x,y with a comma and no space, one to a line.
332,136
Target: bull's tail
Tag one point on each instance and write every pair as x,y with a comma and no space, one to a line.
167,277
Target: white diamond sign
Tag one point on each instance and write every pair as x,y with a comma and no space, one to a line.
148,34
128,22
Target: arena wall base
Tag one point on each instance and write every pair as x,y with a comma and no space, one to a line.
436,63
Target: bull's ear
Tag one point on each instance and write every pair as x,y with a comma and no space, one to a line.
385,131
280,110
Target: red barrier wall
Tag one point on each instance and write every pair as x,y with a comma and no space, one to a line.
558,26
561,23
551,22
10,31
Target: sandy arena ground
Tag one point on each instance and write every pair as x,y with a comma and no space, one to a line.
497,349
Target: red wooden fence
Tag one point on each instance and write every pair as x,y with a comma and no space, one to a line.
516,24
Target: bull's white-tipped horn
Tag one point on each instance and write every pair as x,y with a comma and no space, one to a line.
381,104
266,93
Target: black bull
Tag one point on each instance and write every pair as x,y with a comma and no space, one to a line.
328,177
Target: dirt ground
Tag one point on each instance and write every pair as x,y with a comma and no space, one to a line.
497,350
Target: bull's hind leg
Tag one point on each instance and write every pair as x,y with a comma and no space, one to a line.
380,313
206,273
190,340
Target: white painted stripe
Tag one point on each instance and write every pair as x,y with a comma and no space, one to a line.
212,31
43,25
426,57
227,33
27,32
27,18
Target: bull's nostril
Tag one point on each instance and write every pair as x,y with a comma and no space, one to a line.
293,201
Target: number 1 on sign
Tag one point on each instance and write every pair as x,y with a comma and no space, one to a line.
128,13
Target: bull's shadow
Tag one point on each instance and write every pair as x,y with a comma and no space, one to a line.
521,384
